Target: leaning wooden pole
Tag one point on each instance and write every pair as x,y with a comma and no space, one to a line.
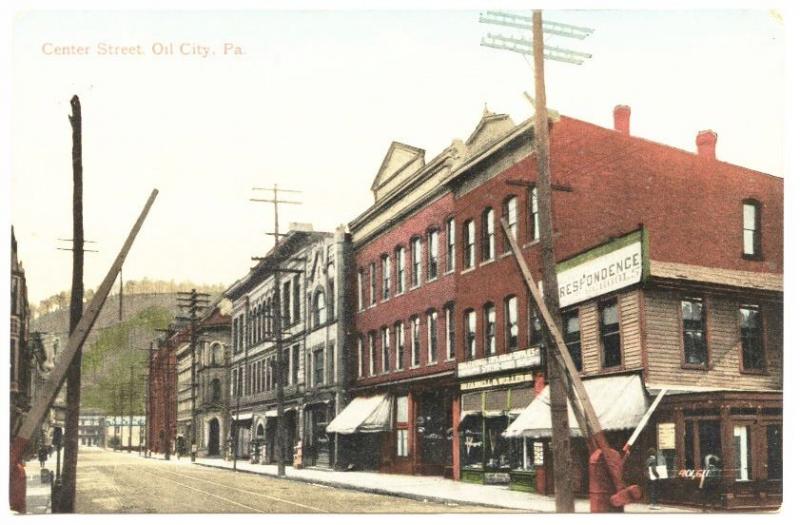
77,337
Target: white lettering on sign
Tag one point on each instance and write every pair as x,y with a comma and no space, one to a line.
497,381
528,358
600,275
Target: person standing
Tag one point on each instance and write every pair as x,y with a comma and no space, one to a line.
710,482
42,455
652,478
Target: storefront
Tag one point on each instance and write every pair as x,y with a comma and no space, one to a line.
318,445
733,439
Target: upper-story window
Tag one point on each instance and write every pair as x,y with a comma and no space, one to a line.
510,215
372,353
415,359
215,354
469,244
450,327
535,329
286,306
319,308
512,324
386,347
572,337
487,234
433,254
533,214
416,261
386,276
373,283
752,337
400,346
695,348
450,239
432,338
319,366
400,264
360,289
609,334
489,330
235,334
751,215
360,355
469,334
295,299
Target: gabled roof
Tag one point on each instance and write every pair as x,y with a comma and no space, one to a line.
398,159
491,127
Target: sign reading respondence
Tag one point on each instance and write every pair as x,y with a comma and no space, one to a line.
604,269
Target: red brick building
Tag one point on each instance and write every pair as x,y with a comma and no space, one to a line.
701,318
162,392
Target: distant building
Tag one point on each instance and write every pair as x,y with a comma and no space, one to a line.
117,429
91,428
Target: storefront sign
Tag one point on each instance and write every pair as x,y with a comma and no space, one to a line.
490,382
602,270
538,453
528,358
496,478
666,436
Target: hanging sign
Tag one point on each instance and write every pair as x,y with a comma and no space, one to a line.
538,453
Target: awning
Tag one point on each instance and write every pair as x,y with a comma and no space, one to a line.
619,401
364,414
243,416
272,413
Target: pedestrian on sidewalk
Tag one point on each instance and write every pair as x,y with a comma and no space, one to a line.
652,478
710,482
42,456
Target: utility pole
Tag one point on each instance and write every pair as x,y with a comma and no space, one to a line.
66,493
130,414
120,293
562,458
193,301
278,325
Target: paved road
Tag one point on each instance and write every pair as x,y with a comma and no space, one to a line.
116,482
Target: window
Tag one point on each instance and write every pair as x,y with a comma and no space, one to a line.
285,367
512,324
295,299
372,355
572,337
469,334
450,262
774,451
695,352
400,263
432,336
609,334
319,367
416,261
752,337
469,244
751,215
386,347
415,341
360,289
510,215
533,217
319,308
331,369
400,347
535,329
269,316
296,364
487,235
235,334
402,442
401,425
386,273
449,320
360,355
433,254
285,306
741,452
489,329
372,283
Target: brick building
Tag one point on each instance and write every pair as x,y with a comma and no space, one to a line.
162,399
701,318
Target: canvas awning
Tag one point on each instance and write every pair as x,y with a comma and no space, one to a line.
619,401
364,414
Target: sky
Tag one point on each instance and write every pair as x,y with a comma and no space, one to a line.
313,103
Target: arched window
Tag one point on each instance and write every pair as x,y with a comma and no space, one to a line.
319,308
215,354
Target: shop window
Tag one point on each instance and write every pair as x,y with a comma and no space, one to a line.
450,261
469,334
510,215
741,452
487,235
752,337
572,337
450,321
695,350
609,334
775,451
702,443
432,339
525,453
400,264
469,244
489,326
533,214
386,347
535,329
415,341
751,234
386,276
373,278
497,451
472,441
433,254
512,324
416,261
400,347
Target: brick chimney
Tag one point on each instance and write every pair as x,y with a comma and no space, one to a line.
707,144
622,119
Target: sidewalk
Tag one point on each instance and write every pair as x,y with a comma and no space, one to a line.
37,495
430,488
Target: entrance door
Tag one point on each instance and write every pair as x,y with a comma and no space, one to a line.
433,421
213,437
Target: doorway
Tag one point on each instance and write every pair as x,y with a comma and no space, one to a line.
213,437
